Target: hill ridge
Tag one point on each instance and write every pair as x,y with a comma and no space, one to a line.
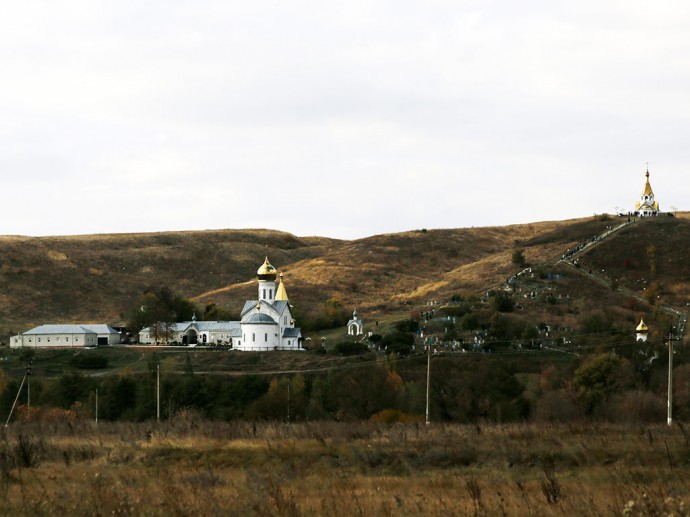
98,278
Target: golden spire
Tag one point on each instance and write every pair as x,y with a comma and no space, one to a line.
642,327
647,187
281,293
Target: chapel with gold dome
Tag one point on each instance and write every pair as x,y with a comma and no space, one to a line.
647,206
641,331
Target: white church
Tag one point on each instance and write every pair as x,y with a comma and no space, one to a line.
266,323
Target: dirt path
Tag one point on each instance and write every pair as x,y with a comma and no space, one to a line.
570,258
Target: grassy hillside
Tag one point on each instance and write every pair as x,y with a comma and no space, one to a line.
99,278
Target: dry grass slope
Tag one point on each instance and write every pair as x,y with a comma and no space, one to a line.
98,278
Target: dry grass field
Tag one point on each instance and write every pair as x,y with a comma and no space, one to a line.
187,466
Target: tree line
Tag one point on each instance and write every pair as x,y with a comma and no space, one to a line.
469,388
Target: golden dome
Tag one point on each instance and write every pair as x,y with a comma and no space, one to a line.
266,271
642,327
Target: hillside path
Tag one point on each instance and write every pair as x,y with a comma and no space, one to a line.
570,259
571,255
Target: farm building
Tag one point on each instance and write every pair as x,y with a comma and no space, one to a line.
77,335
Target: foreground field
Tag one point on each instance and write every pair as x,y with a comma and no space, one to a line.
192,467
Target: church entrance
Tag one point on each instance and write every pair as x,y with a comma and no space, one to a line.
190,338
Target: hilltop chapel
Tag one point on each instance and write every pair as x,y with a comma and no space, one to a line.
647,206
266,323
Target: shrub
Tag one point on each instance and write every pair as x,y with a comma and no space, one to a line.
400,342
556,406
28,452
350,348
407,326
639,407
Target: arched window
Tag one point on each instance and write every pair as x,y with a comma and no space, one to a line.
253,337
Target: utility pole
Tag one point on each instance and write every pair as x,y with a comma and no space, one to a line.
16,399
96,405
158,391
28,384
288,402
428,379
669,417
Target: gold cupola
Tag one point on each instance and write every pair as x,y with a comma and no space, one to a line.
266,271
641,331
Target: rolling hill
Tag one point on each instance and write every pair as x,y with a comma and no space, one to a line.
98,278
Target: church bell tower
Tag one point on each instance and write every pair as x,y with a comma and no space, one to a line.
267,282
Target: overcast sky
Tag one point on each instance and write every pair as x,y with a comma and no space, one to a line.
342,119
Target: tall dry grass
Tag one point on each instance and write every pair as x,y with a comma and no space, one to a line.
189,466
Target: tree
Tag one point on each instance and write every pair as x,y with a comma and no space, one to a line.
518,258
503,302
600,377
477,389
72,388
214,313
336,313
285,400
469,322
398,342
160,306
366,391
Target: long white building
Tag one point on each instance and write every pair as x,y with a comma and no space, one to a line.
79,335
266,323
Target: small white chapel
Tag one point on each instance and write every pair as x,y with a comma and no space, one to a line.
647,206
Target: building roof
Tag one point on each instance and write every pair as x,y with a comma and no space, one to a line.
292,332
59,329
217,326
260,318
277,306
101,328
202,326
